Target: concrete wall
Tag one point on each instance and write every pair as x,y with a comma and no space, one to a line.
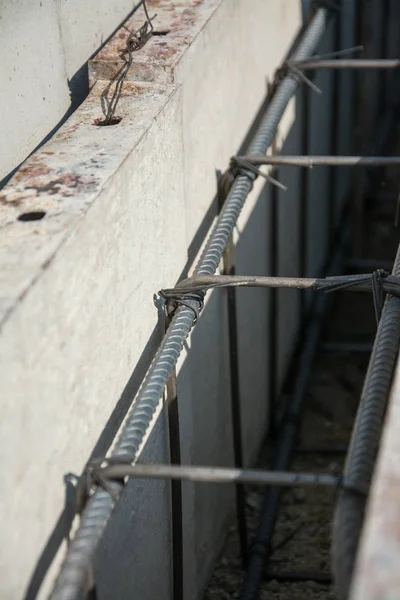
124,210
44,43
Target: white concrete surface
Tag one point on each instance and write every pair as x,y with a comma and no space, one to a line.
43,43
34,93
88,273
85,26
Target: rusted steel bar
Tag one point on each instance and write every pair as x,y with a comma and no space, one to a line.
218,475
317,161
199,283
349,63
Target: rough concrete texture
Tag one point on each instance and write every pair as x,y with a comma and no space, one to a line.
64,179
181,20
87,275
44,43
85,26
34,93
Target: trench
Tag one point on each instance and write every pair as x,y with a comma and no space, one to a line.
299,563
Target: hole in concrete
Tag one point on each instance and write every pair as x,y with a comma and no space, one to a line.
160,31
104,123
34,215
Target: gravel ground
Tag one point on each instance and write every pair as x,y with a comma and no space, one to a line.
329,409
305,513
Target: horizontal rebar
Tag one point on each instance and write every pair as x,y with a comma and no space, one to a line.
316,161
349,63
202,283
218,475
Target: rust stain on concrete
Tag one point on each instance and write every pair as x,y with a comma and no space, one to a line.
157,59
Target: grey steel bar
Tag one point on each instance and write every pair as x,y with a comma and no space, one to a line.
361,347
349,63
218,475
364,443
331,161
100,506
206,282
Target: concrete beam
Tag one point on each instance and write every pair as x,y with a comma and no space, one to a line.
77,297
86,25
158,59
34,92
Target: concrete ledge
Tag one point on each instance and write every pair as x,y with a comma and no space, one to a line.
63,180
158,59
86,25
77,291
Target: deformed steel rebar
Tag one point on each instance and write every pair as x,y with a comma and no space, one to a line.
317,161
218,475
359,282
95,516
364,442
349,63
